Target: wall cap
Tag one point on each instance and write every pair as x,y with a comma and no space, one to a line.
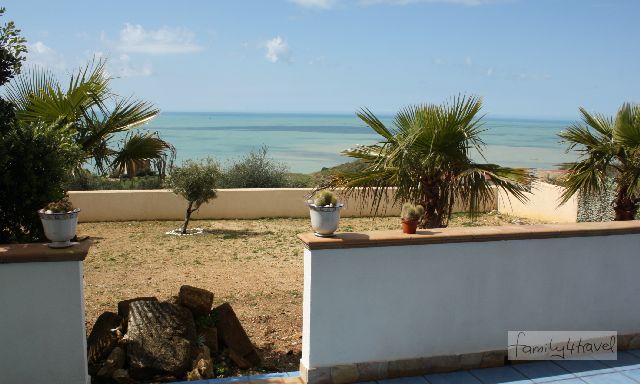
40,252
468,234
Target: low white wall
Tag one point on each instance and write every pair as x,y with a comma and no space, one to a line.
542,204
230,204
42,329
390,303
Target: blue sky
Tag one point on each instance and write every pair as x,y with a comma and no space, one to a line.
528,58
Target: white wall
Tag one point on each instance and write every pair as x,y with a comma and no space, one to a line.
42,330
402,302
231,204
542,204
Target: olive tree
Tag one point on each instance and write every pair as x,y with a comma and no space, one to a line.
196,183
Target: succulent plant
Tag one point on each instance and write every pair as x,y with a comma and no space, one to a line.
61,206
411,212
325,198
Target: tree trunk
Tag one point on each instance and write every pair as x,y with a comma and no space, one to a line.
187,216
435,206
624,206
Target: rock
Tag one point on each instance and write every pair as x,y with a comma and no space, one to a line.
114,362
202,366
123,308
233,335
210,337
102,340
197,300
238,360
121,376
160,340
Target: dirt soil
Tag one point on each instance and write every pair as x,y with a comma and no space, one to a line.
256,265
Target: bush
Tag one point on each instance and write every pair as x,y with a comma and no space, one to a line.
255,170
35,160
84,180
196,183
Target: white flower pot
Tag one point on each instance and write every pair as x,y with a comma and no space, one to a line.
324,220
60,228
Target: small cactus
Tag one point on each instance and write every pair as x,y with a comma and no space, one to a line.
61,206
412,212
325,198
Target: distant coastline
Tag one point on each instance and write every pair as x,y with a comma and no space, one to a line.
307,142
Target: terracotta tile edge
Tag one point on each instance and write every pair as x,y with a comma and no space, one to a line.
468,234
40,252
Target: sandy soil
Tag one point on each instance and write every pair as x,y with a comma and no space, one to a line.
256,265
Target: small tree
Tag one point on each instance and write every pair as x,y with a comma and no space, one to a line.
255,170
196,182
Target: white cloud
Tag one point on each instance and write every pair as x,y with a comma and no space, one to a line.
43,56
317,4
166,40
277,50
123,67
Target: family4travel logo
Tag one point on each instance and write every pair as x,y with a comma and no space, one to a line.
562,345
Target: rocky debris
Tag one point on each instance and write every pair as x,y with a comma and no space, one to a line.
197,300
238,360
121,376
123,308
102,339
202,366
209,337
161,337
114,362
234,336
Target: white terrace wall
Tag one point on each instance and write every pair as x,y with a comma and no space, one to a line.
382,308
42,328
230,204
542,204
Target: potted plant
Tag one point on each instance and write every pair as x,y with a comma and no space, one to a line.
325,213
410,216
59,220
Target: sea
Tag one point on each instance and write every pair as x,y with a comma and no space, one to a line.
308,142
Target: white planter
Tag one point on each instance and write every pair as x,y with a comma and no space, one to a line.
324,220
60,228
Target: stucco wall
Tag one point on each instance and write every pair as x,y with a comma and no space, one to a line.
230,204
401,302
42,330
542,204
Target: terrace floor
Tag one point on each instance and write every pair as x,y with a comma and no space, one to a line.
625,370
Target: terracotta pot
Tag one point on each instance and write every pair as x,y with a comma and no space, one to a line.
409,226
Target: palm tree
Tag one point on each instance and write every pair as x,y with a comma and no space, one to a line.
94,112
426,157
608,148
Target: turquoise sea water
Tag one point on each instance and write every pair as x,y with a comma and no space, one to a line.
308,142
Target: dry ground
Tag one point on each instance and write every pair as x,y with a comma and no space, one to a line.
256,265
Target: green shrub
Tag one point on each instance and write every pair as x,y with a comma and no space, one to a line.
255,170
36,159
84,180
196,183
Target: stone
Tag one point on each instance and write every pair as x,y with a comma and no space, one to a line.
114,362
121,376
344,374
407,367
161,337
197,300
470,360
634,342
102,340
372,371
493,359
233,335
321,375
123,308
210,337
202,365
443,364
238,360
194,375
